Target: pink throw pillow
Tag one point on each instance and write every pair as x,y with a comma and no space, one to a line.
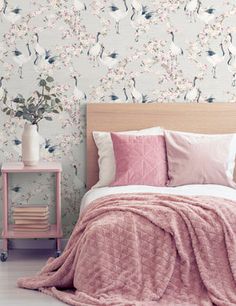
200,158
140,160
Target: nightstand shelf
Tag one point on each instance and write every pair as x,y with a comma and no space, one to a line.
13,234
55,230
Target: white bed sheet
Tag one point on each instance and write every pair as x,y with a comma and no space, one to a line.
208,190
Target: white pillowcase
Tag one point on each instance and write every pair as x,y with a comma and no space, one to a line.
200,158
106,158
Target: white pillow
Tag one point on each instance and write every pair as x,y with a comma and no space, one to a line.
232,149
200,158
106,158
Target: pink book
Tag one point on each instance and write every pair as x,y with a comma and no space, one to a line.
33,222
23,229
27,208
31,226
29,217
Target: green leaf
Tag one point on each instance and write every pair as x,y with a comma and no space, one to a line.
61,108
27,117
55,111
42,83
8,112
31,108
38,93
57,100
48,88
41,110
18,114
49,79
5,109
16,100
46,97
48,118
24,108
5,98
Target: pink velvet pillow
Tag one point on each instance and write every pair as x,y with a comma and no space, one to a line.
200,158
140,160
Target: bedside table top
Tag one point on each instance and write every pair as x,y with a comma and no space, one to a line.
44,166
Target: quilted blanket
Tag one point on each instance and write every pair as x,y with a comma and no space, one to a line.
147,250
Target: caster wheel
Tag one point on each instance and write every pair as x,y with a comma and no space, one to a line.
4,256
58,253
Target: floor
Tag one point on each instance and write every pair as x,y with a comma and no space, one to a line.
23,263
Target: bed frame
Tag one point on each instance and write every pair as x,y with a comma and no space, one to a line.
217,118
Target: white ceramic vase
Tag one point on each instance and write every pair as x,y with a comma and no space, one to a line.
30,145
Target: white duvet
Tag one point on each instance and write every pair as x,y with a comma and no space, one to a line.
208,190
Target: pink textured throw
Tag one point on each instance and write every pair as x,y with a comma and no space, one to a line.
140,160
147,250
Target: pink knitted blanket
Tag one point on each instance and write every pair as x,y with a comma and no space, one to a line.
147,250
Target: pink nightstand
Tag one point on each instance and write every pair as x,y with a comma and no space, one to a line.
55,230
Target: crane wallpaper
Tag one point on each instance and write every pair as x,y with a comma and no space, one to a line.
130,51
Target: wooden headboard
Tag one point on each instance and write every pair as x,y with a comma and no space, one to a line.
217,118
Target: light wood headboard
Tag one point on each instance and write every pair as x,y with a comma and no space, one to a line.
217,118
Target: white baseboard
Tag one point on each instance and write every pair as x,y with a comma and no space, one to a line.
33,244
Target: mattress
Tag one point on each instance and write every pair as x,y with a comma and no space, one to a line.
189,190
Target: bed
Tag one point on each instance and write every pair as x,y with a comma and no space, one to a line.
140,245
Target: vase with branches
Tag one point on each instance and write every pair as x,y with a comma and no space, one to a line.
40,105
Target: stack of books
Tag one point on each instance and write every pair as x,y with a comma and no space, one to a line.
31,218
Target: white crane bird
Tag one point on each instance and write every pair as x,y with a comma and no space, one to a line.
3,91
232,68
231,47
109,60
174,49
191,8
214,59
39,49
137,96
118,14
78,94
96,49
194,93
12,15
43,63
139,19
206,16
20,59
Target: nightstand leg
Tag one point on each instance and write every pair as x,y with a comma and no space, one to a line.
58,244
5,245
5,211
58,211
58,252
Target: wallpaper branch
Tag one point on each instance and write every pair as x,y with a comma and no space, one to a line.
130,51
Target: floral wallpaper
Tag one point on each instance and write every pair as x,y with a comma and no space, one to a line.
130,51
